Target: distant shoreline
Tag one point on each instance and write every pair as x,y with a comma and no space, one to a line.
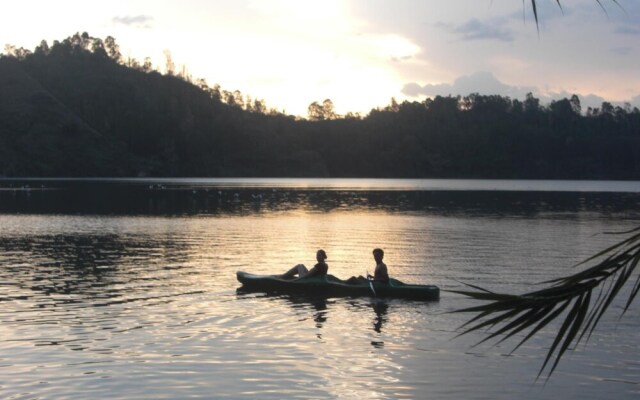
355,184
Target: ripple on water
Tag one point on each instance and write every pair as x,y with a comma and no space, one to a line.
146,307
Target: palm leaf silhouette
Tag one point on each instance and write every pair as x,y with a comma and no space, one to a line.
534,7
530,312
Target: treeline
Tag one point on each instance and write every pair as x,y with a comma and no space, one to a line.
78,108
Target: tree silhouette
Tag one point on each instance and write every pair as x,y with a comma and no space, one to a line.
173,125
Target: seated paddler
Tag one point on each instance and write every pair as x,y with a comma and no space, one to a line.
300,271
380,273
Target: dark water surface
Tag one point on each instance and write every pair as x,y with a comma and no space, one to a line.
126,289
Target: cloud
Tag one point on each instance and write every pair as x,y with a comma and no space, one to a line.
586,101
628,30
487,84
400,59
475,29
479,82
136,21
622,50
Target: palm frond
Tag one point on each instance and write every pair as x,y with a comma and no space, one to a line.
601,6
534,7
535,13
571,296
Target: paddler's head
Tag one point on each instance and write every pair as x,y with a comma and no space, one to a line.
321,256
378,255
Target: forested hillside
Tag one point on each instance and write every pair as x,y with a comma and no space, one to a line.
78,108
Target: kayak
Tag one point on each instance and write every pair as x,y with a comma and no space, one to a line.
330,286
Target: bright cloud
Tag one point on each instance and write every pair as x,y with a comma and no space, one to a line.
360,53
138,21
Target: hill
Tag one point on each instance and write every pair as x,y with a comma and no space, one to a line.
78,109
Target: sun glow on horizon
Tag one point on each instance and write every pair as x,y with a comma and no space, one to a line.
358,54
284,53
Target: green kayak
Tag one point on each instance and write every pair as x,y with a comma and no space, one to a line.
330,286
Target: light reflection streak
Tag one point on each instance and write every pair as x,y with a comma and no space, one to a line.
152,300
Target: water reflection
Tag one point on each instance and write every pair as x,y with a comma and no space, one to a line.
319,310
380,308
99,305
140,199
316,305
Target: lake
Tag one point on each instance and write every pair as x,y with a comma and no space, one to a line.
126,288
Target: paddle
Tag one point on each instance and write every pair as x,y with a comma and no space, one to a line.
371,284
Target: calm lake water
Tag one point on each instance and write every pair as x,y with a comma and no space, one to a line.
126,289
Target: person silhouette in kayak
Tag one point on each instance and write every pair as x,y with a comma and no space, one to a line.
380,273
320,269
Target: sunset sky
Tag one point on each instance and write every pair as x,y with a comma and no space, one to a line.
361,53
